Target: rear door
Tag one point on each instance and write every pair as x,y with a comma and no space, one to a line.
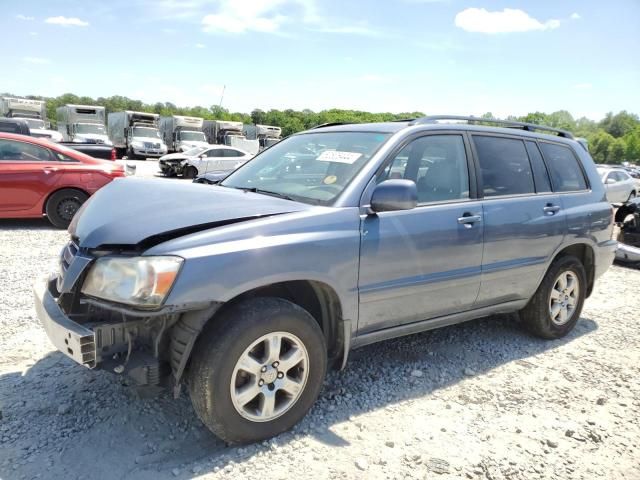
423,263
524,221
28,172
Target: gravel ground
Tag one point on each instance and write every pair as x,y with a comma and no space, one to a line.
479,400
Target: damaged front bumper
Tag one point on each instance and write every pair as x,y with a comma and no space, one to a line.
149,349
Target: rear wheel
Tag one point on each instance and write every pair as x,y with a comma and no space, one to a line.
63,205
190,172
555,308
257,370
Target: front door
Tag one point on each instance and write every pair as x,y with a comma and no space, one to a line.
27,173
426,262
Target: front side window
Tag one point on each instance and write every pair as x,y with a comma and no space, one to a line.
311,167
232,153
438,166
11,150
504,166
215,153
566,174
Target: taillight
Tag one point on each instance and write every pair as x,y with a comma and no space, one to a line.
113,154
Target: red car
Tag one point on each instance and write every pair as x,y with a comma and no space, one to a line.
39,177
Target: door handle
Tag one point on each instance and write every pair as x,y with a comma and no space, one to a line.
551,209
468,219
50,169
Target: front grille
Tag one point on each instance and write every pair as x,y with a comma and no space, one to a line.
69,252
148,145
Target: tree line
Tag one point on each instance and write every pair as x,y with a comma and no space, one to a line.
614,139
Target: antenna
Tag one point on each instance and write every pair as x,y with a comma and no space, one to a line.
224,87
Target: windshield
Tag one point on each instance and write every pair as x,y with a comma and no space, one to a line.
90,128
195,151
34,123
145,132
312,168
192,136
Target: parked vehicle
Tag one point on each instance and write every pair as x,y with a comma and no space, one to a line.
223,132
82,124
212,178
628,220
332,239
266,135
619,185
171,164
136,134
39,177
219,158
14,125
95,150
182,133
33,112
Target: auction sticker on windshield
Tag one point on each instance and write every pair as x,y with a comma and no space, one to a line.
338,157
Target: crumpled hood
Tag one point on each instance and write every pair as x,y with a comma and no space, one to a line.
145,212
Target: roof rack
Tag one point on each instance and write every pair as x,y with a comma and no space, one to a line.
330,124
530,127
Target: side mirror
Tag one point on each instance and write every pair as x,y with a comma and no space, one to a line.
393,195
611,180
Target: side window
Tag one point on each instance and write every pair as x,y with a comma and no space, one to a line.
232,153
612,177
540,174
623,177
23,151
61,157
438,166
504,166
215,153
566,174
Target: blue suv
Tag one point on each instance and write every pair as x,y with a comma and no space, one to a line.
334,238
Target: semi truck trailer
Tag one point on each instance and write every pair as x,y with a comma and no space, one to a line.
266,135
82,124
136,134
34,112
182,133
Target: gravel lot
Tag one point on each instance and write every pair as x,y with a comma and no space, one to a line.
481,400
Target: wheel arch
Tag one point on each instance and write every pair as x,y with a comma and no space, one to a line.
583,252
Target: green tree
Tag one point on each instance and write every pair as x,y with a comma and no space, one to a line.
599,144
632,142
619,124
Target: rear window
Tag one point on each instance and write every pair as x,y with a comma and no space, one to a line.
504,166
9,127
566,174
540,174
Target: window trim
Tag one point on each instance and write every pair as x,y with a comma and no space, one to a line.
577,159
365,198
477,161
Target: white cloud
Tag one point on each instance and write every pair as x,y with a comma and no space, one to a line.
36,60
508,20
269,16
24,17
575,16
200,45
67,21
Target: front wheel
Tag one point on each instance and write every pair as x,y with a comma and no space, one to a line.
556,306
257,370
63,205
190,172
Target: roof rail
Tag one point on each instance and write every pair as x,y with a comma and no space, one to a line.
530,127
330,124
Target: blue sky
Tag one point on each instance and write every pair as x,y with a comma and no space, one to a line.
437,56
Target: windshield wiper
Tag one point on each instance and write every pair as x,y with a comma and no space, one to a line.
268,192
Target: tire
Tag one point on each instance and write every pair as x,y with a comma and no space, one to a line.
537,315
190,172
131,155
63,205
215,363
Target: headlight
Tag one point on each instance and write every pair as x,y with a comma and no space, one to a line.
139,281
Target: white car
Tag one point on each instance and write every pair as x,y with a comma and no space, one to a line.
218,158
619,185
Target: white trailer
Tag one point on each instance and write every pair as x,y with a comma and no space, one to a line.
82,124
266,135
136,134
182,133
34,112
